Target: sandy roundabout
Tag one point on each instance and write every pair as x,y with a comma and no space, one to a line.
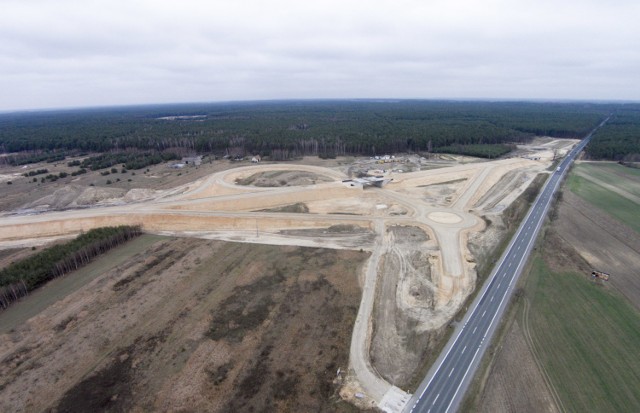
444,217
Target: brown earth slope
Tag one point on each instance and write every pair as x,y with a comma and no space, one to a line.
191,325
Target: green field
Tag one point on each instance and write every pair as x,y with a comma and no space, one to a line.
624,177
587,335
588,339
610,202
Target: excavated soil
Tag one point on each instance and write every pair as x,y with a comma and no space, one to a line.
398,346
283,178
191,325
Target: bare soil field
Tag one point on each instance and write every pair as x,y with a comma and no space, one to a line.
57,289
191,325
545,148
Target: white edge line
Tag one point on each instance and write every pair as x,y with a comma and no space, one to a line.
495,272
462,381
484,292
501,301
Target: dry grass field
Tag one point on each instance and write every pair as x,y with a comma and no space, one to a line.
189,325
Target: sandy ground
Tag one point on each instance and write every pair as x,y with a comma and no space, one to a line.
546,148
432,280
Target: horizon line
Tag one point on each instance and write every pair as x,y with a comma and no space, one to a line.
276,100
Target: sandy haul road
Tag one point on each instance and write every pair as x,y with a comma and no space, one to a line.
432,282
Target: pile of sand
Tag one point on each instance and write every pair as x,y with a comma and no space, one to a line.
74,196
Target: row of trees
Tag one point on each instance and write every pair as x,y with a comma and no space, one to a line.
28,157
130,160
291,129
19,278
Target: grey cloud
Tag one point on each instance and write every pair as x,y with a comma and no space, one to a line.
75,53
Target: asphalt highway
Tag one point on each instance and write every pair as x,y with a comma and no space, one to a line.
444,386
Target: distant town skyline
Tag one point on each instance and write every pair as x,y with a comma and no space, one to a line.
95,53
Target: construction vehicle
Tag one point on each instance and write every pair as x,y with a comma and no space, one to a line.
595,274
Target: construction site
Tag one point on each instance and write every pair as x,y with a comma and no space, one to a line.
415,229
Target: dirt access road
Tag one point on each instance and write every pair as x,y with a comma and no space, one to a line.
443,203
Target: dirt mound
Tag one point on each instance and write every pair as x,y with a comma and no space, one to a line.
95,195
283,178
298,208
349,236
405,234
509,182
140,194
73,196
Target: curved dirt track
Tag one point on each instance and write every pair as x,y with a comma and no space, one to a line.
216,207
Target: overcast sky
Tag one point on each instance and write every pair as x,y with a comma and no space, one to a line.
68,53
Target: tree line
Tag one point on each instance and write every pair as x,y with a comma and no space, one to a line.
22,277
619,139
289,129
129,160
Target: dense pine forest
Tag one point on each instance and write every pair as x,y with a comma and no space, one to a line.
289,129
19,278
619,139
